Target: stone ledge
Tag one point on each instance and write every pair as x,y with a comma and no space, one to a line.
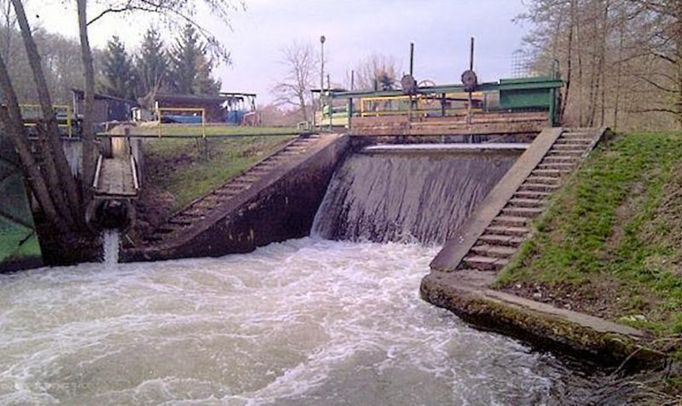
467,295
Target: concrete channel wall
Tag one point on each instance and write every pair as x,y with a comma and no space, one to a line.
279,207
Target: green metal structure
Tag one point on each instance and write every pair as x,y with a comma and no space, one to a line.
19,246
514,95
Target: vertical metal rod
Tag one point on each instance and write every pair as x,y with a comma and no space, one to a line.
352,80
412,59
442,105
322,41
471,68
330,101
349,110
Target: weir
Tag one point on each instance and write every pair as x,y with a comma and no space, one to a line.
418,192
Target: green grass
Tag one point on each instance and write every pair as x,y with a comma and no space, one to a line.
182,168
615,233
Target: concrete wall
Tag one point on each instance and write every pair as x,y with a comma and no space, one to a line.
282,206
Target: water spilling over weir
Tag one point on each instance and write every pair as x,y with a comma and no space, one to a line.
407,195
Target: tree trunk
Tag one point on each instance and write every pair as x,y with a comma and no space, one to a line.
13,126
66,181
569,62
619,71
89,102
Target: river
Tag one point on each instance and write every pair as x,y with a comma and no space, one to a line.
302,322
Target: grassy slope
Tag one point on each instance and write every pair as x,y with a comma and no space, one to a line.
180,166
613,236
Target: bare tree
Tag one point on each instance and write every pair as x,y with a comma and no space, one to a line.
294,89
622,60
378,69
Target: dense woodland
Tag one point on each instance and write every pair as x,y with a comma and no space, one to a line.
182,67
621,59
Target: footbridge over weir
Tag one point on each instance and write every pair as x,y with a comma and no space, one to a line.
116,185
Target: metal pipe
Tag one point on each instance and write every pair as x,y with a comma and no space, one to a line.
136,183
412,59
95,182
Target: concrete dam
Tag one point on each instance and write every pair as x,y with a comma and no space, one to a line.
338,187
408,192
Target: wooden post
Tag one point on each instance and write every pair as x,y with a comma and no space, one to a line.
442,105
349,110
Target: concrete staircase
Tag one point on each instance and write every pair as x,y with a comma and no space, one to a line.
510,227
200,209
500,239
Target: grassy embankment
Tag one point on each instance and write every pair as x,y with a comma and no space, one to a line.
610,243
189,168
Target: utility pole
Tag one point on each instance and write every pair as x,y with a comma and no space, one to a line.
323,39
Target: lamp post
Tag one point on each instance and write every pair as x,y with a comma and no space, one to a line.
322,41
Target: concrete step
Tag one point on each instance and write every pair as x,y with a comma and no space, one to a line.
509,221
231,188
240,184
583,132
530,195
548,173
528,212
226,193
574,141
181,221
485,263
537,187
247,177
501,239
563,167
521,202
506,230
567,147
574,153
494,251
259,170
544,180
557,159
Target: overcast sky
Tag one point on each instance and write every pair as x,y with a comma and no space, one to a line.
354,29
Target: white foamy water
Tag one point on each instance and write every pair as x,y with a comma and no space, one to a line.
302,322
111,246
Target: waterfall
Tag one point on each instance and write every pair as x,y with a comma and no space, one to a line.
407,196
111,246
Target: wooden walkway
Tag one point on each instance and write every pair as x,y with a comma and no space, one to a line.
116,179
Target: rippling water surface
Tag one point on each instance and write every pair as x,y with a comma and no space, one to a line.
302,322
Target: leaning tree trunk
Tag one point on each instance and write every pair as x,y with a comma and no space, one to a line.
89,102
13,127
62,179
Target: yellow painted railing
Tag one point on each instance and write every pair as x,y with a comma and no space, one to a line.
27,108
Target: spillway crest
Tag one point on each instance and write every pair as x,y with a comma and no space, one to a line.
407,197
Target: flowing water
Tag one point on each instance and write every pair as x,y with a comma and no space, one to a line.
403,197
307,321
111,246
302,322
